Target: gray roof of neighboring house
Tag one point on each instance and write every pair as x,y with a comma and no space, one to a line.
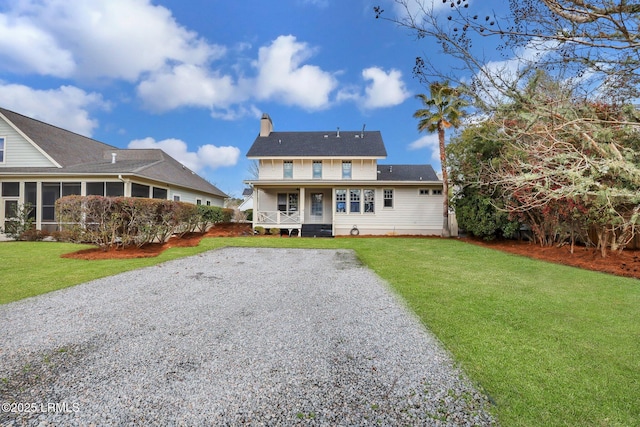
406,173
319,144
78,154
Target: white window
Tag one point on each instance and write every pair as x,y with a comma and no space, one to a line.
346,170
2,148
287,169
354,199
388,198
317,169
436,192
288,202
176,197
424,191
316,204
369,201
341,200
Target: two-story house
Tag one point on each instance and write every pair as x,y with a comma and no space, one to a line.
40,163
330,184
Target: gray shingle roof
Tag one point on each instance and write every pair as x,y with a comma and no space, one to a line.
406,173
65,147
78,154
319,144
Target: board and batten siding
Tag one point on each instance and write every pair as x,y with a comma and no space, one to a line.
19,152
364,169
412,214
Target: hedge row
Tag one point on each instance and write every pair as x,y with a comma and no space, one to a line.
128,221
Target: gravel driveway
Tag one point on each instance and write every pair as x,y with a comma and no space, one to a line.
237,336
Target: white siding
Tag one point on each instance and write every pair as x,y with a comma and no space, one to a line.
411,214
192,197
331,169
19,152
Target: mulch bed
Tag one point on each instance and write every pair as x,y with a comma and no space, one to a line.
625,263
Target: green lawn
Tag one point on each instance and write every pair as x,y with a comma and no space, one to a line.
551,345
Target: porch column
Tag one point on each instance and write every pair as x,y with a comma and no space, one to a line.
256,191
302,199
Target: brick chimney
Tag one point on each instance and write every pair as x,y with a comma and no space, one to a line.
266,125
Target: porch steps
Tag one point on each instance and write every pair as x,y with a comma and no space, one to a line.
316,230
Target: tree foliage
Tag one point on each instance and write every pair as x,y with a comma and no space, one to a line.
558,103
564,166
479,207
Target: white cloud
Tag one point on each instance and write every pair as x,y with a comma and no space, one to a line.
282,77
213,156
236,113
171,66
187,85
430,142
207,156
106,42
66,107
385,89
25,46
496,76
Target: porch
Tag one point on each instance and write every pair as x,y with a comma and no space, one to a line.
293,209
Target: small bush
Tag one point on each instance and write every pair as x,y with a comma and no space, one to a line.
21,222
70,234
33,235
260,230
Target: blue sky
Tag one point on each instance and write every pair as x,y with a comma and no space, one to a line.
193,77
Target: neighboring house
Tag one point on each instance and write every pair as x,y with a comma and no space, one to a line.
40,163
247,202
330,184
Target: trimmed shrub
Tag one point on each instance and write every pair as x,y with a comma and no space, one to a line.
127,221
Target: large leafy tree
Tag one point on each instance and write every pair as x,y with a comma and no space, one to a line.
567,167
444,108
561,92
480,210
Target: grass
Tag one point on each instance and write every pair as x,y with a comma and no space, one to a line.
550,345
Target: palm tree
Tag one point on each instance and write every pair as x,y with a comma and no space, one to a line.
443,109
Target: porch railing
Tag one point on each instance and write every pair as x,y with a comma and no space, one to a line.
277,217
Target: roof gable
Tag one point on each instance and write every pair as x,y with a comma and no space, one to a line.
77,154
64,147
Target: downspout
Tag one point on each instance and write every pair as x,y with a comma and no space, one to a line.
126,184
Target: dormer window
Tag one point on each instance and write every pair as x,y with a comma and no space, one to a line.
287,169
